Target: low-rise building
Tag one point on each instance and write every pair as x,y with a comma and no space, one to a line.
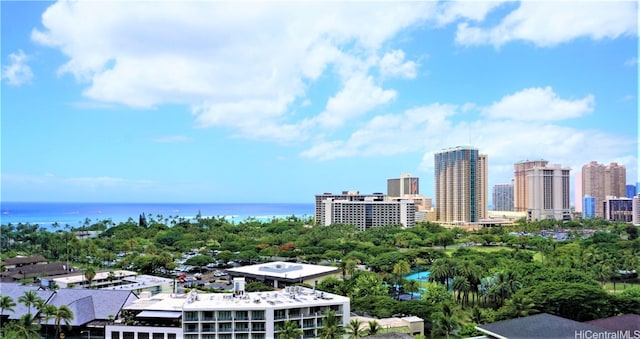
281,274
618,209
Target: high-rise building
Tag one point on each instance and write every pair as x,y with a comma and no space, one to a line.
520,182
503,197
618,209
460,185
578,196
600,181
631,191
368,213
346,195
548,193
406,184
589,207
636,210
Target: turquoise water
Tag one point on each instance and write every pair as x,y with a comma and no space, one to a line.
420,276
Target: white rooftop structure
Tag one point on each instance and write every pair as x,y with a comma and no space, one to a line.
284,273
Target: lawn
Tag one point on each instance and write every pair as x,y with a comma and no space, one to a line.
448,251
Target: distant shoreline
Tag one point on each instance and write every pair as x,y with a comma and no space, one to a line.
46,214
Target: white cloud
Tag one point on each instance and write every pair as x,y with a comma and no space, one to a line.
506,140
358,96
549,23
238,65
451,11
540,104
17,72
631,62
393,64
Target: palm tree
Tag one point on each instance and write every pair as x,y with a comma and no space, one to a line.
521,306
47,312
411,286
445,321
354,329
89,274
477,316
29,298
25,328
400,269
62,314
440,272
6,303
331,327
463,287
290,330
374,327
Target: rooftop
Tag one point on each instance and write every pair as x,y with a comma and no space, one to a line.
541,325
284,270
295,296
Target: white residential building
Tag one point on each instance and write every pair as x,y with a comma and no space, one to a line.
548,193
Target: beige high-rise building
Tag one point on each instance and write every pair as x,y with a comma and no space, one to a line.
461,187
520,182
600,181
548,193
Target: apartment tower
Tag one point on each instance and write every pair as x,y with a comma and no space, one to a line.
520,182
406,184
548,193
460,185
503,197
600,181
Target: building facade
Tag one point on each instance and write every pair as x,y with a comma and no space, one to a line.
406,184
618,209
260,315
367,213
346,195
589,207
600,181
631,191
548,193
520,182
460,185
503,197
636,210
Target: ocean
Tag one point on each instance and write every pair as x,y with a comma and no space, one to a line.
45,214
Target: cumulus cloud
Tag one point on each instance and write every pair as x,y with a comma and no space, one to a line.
359,95
451,11
541,104
393,64
506,138
549,23
237,65
17,72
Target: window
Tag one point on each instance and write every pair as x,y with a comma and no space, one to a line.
190,328
115,335
208,336
127,335
257,315
208,327
161,336
191,316
224,315
143,335
257,327
208,315
190,336
242,315
169,336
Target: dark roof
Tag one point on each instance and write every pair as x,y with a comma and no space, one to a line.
87,304
24,260
542,325
626,322
31,271
15,291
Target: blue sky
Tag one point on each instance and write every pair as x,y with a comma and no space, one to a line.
276,102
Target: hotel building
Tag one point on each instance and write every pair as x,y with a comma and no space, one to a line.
636,210
460,185
520,183
618,209
406,184
503,197
367,213
600,181
346,196
237,315
548,193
